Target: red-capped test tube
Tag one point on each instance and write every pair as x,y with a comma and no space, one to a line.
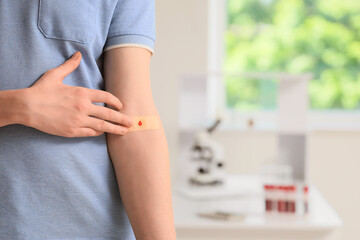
281,199
269,198
306,199
290,198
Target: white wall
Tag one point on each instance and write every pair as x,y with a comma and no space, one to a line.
335,169
181,47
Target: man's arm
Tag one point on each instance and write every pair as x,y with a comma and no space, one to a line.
140,158
55,108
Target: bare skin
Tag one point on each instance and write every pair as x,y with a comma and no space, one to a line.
141,158
55,108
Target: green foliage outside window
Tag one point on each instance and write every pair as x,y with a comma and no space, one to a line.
294,36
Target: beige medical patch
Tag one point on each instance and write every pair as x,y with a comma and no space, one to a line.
144,123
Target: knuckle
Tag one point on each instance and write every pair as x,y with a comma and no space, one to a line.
109,114
122,119
101,126
97,133
79,92
81,106
71,132
107,96
77,119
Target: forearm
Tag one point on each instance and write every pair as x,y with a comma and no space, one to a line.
12,107
141,164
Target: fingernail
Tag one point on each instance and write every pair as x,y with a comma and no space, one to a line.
130,123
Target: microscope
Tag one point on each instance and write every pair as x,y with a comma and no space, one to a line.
210,156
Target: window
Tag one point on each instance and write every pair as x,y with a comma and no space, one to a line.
321,37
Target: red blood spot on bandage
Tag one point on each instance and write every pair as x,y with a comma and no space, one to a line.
144,122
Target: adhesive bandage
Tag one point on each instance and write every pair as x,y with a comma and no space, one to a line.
144,123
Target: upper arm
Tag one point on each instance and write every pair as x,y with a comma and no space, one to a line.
127,53
127,76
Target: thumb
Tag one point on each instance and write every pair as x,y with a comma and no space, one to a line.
69,65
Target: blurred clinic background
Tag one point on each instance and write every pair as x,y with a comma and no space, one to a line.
260,101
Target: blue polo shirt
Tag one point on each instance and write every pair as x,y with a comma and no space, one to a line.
54,187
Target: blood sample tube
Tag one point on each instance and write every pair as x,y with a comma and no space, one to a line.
291,198
306,199
281,200
269,198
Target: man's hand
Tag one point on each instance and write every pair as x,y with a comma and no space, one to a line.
63,110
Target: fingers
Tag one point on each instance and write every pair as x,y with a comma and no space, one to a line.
69,65
104,126
105,97
111,115
86,132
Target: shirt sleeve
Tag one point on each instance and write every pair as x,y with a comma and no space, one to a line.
132,24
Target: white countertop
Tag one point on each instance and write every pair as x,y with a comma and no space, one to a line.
243,194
